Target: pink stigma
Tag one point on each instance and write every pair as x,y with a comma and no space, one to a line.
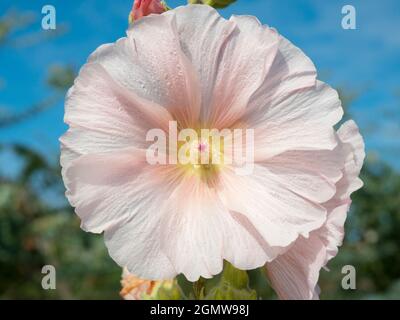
202,146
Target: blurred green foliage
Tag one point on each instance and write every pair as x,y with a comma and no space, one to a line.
34,233
61,77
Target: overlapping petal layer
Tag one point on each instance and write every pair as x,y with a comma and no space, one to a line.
294,274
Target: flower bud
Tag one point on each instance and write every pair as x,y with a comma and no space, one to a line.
142,8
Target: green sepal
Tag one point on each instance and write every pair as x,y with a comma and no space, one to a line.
218,4
233,285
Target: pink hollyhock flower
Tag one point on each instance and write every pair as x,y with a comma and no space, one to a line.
134,288
142,8
192,66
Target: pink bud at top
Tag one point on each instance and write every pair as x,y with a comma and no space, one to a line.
142,8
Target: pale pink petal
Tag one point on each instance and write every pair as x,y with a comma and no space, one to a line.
232,58
332,233
106,189
155,70
203,34
327,163
97,102
294,275
291,277
104,117
350,136
136,243
302,121
277,213
198,233
306,183
291,71
185,229
312,174
243,67
131,216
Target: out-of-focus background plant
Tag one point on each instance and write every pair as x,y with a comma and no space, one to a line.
37,227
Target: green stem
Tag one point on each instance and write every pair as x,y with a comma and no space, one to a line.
198,288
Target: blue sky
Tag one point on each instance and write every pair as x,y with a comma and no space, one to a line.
365,60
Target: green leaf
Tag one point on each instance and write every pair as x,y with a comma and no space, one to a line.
61,77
